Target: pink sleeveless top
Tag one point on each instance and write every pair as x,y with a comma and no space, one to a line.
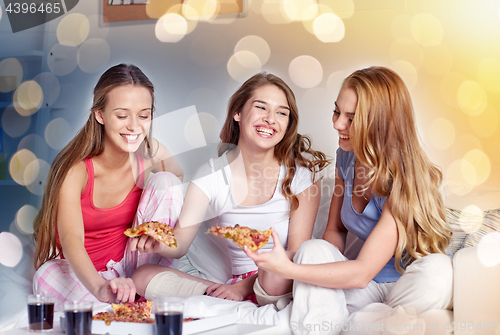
104,227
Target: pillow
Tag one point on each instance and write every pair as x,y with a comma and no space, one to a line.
461,223
491,224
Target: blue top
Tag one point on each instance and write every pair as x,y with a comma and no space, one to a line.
362,224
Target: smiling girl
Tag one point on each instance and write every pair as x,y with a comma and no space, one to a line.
390,199
266,176
95,192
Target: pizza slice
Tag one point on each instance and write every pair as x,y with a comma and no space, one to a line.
157,230
254,239
138,312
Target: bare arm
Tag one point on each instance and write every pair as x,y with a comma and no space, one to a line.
303,218
164,161
335,232
190,219
375,253
71,234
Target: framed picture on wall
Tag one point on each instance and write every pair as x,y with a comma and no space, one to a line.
133,10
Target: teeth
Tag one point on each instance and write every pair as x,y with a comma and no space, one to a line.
131,137
265,131
343,137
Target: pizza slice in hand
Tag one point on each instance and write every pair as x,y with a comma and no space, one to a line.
254,239
157,230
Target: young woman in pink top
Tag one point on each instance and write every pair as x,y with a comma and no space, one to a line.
95,192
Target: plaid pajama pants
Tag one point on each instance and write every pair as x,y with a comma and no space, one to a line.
161,201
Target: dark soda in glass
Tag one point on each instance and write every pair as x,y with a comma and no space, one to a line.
78,322
40,316
168,323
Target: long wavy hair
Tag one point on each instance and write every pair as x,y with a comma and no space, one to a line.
385,139
289,150
88,142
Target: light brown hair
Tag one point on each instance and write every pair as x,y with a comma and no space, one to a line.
385,139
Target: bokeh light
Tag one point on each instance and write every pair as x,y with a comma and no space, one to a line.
405,49
316,11
97,29
481,165
201,10
465,143
255,44
195,138
93,55
305,71
426,29
25,217
273,12
13,123
50,87
488,74
62,59
211,129
11,251
448,87
472,218
488,249
171,28
441,133
438,59
177,9
242,65
157,8
471,98
40,179
343,8
34,143
73,29
401,26
454,181
329,28
407,72
11,74
58,133
208,50
28,98
300,10
18,164
485,124
334,83
31,172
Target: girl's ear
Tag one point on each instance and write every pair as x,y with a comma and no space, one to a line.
237,116
98,116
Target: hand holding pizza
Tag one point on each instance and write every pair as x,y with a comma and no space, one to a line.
276,261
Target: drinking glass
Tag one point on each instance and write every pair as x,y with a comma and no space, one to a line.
40,312
78,315
168,316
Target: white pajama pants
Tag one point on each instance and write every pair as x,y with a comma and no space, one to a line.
426,284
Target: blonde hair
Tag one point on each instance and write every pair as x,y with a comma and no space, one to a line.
89,142
385,139
289,150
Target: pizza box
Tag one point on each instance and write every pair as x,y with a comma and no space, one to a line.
190,327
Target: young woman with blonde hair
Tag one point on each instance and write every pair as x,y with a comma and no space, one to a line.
266,176
387,194
95,192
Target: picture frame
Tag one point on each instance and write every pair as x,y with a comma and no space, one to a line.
135,12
